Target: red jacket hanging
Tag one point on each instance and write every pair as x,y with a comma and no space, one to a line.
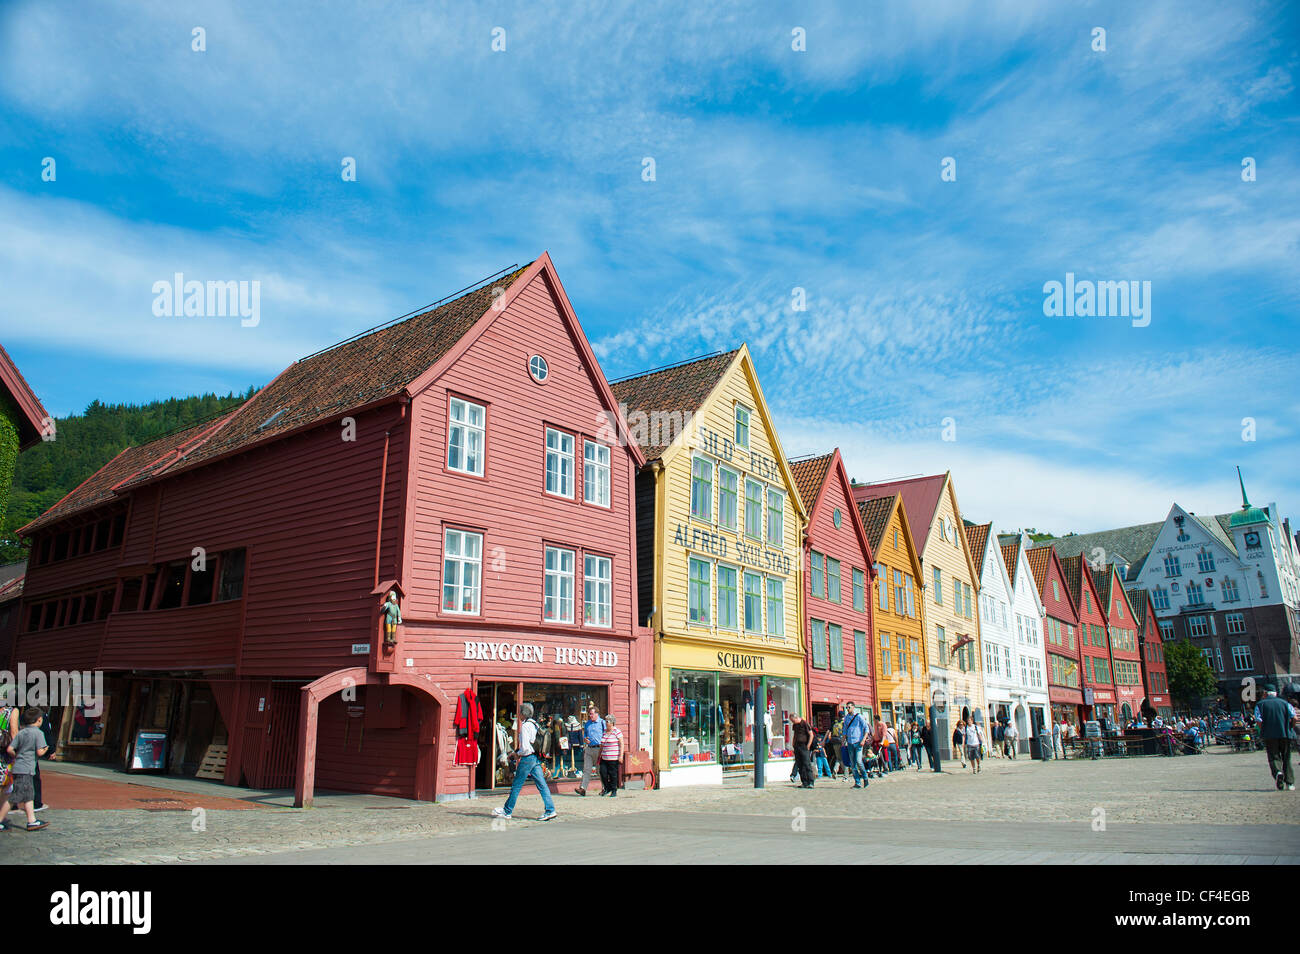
469,716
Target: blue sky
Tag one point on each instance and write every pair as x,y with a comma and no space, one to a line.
775,169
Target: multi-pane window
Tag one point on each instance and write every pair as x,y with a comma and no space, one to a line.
938,587
818,581
557,595
1056,591
1160,597
882,587
911,596
753,509
1205,561
834,589
597,591
1218,659
466,436
702,488
1236,623
835,634
818,644
915,645
1197,626
727,597
742,426
1229,590
775,517
1006,655
462,565
900,594
943,645
698,596
775,607
753,603
1195,596
1241,660
559,463
859,590
1172,565
991,659
1166,629
595,473
859,652
728,498
885,668
1069,635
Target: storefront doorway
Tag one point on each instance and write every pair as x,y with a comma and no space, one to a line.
559,710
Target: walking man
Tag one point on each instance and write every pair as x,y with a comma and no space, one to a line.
801,734
974,744
854,732
1010,736
1277,720
593,733
928,740
529,766
1057,751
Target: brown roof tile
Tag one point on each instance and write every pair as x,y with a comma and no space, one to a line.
680,390
875,517
978,535
361,371
809,476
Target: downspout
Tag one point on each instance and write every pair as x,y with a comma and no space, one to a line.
805,625
383,483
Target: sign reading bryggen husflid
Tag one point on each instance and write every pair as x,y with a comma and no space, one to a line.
719,524
433,517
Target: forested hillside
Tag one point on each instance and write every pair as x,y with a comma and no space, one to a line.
85,442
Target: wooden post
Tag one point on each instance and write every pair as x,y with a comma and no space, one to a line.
304,788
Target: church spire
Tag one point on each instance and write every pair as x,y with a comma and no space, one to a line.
1245,504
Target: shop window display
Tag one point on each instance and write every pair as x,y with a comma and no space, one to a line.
694,717
554,706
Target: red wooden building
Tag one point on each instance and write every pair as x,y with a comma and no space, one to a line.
229,579
1125,646
1060,634
1099,699
1155,675
837,622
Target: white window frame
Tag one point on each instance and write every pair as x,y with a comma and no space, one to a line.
1242,654
603,584
1236,623
466,430
462,562
561,458
707,514
596,473
553,585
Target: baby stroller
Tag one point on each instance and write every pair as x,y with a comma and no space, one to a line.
873,765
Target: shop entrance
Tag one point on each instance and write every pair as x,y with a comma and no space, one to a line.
495,734
739,699
559,709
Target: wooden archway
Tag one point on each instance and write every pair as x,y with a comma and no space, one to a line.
315,692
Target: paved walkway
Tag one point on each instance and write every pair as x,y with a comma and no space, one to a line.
1211,807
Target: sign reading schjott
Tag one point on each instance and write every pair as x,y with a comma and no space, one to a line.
528,653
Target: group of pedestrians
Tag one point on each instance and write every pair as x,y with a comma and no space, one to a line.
23,742
602,755
850,747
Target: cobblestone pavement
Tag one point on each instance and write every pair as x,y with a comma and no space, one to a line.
1212,806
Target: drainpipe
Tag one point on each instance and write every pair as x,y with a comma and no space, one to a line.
383,483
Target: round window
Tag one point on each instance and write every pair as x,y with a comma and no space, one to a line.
836,518
538,368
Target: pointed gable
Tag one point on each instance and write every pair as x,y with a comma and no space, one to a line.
978,536
920,495
875,514
31,413
1045,565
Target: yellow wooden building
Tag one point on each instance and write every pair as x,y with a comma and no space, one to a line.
951,586
719,535
902,667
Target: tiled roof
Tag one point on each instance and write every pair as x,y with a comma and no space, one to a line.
1072,569
362,371
978,535
875,517
1132,544
1040,561
11,589
1137,600
678,390
809,475
12,571
1010,553
99,487
920,497
1101,579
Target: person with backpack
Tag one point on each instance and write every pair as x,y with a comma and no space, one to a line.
528,766
854,733
1277,719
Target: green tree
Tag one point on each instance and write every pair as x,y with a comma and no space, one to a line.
1190,676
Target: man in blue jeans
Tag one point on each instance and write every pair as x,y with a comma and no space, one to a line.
528,767
855,730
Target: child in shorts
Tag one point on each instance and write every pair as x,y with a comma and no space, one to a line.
26,747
